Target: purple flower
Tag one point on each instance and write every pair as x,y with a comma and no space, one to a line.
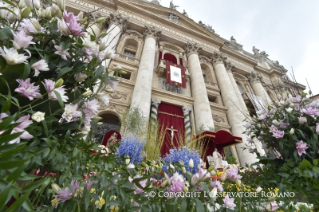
63,53
177,186
272,206
311,111
142,184
217,185
250,140
49,87
73,23
28,89
233,174
276,133
301,147
64,194
229,202
71,113
176,177
21,40
92,106
75,185
41,65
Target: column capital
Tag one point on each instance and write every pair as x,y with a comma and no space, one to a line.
192,48
229,66
118,19
152,31
156,102
218,57
255,77
186,110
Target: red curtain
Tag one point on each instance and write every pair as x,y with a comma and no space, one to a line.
181,61
171,58
171,116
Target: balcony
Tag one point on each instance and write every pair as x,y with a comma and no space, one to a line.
211,84
127,58
171,88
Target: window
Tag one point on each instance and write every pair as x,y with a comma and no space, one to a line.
213,99
129,53
127,75
204,76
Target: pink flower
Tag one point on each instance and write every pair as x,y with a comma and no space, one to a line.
142,184
28,89
317,128
177,186
49,87
233,174
301,147
71,113
311,111
92,106
63,53
204,174
283,125
64,194
21,40
30,26
63,28
276,133
229,202
41,65
272,206
217,185
73,23
112,84
302,120
24,123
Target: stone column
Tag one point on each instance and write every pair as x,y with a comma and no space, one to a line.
117,24
141,97
241,103
202,110
154,109
235,117
187,122
255,81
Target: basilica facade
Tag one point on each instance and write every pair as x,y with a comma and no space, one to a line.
224,83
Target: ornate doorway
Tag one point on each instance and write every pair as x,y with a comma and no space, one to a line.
110,122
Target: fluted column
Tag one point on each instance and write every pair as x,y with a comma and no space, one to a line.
235,116
187,122
117,24
154,109
141,97
255,81
202,110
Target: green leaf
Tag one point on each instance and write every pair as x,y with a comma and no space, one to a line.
199,206
5,33
7,138
18,203
45,126
59,98
315,162
7,105
6,122
305,164
63,71
16,173
11,164
183,206
9,2
5,195
35,185
26,71
315,169
98,72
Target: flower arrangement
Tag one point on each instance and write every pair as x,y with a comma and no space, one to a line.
130,148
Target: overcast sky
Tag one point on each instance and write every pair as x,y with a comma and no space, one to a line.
288,30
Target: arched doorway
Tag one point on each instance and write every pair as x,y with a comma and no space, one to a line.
110,122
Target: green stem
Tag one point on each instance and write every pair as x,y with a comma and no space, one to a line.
11,100
7,66
35,105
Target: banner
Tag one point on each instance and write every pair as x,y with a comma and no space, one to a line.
175,74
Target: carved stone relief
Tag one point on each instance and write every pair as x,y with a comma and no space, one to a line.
218,118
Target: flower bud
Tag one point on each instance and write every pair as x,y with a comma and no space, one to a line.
213,173
59,83
185,189
181,162
84,20
191,163
238,182
80,77
103,34
249,169
100,123
127,161
87,93
211,168
302,120
164,183
56,12
272,198
100,20
55,188
26,12
61,4
183,170
166,176
224,176
47,13
292,131
12,17
117,68
258,189
213,193
36,24
22,4
96,118
80,15
289,110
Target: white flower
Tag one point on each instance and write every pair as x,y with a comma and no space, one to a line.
289,110
191,163
275,122
63,53
32,3
292,131
131,166
61,4
87,93
102,97
12,17
213,192
171,166
71,113
38,116
95,30
259,189
80,77
63,28
109,53
103,44
21,40
3,12
56,12
41,65
22,4
12,57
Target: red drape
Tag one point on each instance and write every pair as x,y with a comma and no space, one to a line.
168,75
171,58
181,61
168,116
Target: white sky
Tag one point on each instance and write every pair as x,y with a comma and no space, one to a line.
288,30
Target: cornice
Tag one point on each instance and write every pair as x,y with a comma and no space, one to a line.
238,55
156,93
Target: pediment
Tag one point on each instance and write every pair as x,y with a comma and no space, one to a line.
163,14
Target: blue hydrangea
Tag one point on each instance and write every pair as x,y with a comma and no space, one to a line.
182,154
131,147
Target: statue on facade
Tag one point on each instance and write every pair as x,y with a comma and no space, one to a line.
185,13
172,6
155,2
255,50
232,39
